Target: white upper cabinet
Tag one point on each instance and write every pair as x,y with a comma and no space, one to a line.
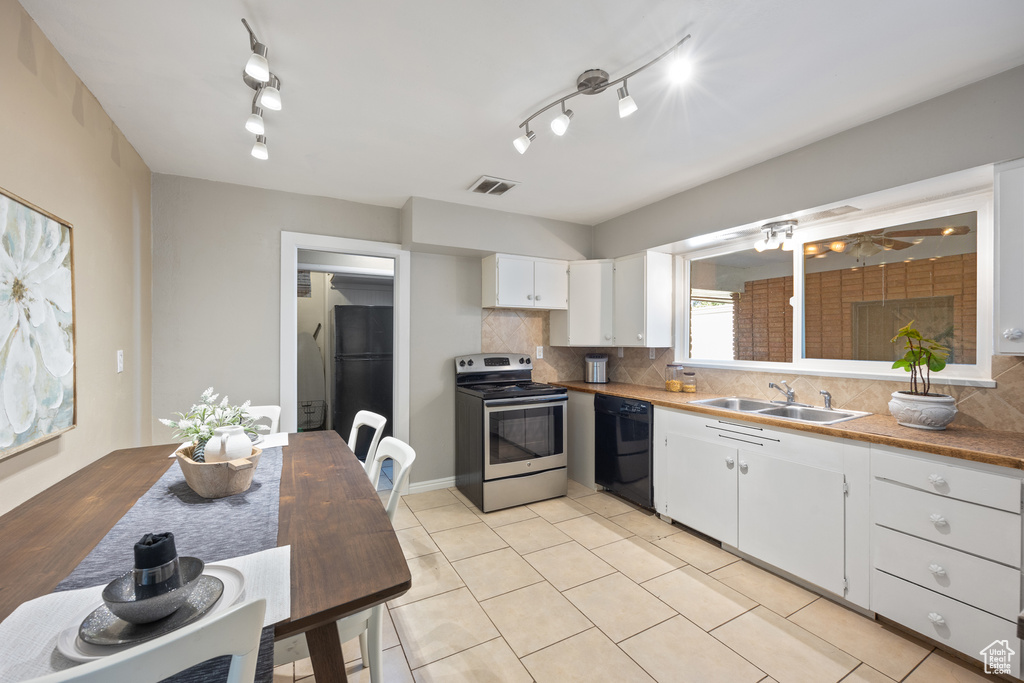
524,282
1008,304
643,300
588,320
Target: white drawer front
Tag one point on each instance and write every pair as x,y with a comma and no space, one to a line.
985,488
994,534
959,626
992,587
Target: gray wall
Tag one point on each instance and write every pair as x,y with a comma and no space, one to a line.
976,125
216,284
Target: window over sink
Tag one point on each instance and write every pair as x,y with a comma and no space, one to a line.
833,303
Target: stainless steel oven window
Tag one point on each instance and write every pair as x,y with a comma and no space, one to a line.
523,438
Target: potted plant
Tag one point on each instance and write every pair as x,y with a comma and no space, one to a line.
919,407
202,420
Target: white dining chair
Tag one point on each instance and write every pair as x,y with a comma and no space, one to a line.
271,413
235,632
365,418
365,624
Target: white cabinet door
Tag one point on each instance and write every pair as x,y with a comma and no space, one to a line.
792,516
550,284
699,487
1009,247
588,320
515,282
629,289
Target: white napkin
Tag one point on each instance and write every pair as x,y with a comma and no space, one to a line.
269,441
28,637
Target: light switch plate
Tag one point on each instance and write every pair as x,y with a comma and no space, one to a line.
620,352
652,354
120,360
540,352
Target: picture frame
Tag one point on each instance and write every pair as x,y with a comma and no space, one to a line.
38,367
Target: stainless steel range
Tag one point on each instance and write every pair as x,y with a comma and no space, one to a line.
510,445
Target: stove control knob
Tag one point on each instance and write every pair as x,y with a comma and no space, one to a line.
470,363
522,360
462,363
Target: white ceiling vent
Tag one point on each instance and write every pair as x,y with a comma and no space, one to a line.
486,184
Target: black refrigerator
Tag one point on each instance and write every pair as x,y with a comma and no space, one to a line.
363,369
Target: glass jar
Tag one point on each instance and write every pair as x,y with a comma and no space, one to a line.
690,382
674,373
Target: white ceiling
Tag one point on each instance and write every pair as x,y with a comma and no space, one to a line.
389,99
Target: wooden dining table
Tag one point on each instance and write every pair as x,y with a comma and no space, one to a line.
345,556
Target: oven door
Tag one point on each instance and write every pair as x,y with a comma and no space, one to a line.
524,436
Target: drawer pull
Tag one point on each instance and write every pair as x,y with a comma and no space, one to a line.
936,569
743,466
938,520
936,480
729,462
936,619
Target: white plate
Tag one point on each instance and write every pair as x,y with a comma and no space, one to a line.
75,649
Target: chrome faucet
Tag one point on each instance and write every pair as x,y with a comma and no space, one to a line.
787,391
828,399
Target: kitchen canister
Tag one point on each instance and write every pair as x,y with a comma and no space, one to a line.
674,377
596,370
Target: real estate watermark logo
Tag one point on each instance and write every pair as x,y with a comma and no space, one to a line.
998,657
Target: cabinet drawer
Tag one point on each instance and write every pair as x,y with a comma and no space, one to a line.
992,587
959,626
993,534
961,483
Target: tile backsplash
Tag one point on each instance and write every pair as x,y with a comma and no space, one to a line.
523,330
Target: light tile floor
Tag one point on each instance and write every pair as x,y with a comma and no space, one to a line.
589,588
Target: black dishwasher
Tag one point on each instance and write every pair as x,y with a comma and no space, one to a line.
623,439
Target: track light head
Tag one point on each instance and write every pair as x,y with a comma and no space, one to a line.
259,149
560,123
626,104
680,70
254,124
522,143
257,67
270,94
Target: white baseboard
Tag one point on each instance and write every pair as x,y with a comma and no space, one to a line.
431,485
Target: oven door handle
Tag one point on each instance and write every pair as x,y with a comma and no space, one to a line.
525,401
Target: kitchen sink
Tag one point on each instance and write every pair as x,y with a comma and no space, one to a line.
797,412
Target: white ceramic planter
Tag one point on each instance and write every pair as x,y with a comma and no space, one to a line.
922,412
227,443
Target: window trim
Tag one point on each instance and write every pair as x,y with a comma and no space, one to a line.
978,375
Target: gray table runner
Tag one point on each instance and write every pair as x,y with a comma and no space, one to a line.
211,530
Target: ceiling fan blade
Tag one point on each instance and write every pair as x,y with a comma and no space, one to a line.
865,234
930,232
897,244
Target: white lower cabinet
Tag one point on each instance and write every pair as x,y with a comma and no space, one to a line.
946,549
776,495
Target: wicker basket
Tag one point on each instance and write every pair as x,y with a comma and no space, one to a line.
218,479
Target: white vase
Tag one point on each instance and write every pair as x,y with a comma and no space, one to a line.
922,412
228,443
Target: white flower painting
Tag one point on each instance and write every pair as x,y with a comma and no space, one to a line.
37,357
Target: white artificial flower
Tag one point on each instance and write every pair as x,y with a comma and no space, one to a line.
34,285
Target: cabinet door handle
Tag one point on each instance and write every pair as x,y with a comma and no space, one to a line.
529,297
537,298
729,462
938,520
936,569
743,465
1013,334
639,337
936,480
936,619
607,337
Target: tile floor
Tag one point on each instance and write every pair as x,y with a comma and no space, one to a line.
589,588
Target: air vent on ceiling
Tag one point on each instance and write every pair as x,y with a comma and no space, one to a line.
494,186
828,213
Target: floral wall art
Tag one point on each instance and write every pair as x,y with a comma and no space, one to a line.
37,326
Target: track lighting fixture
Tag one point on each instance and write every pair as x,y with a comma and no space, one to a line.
259,150
560,124
592,82
779,233
257,76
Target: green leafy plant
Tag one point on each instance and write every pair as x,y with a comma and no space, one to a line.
199,422
923,356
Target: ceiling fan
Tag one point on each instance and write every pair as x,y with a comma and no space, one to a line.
864,244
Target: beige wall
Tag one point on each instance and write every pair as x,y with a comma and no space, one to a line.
976,125
61,152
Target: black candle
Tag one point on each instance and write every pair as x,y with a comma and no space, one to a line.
154,550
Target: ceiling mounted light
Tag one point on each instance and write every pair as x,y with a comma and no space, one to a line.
680,70
838,246
627,105
259,149
254,124
590,82
270,94
560,123
258,67
776,234
522,143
